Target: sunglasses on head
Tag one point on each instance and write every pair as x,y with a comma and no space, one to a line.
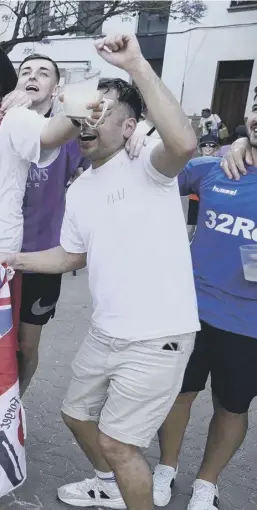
209,144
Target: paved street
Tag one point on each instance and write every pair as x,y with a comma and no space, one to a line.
55,459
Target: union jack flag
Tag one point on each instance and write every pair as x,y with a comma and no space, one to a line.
12,451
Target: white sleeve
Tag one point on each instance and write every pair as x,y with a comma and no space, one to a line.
157,178
24,129
71,239
217,118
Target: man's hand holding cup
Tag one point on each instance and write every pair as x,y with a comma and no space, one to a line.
100,109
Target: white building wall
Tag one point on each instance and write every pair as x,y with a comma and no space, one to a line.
191,55
73,51
193,52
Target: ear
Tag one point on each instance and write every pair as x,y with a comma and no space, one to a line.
56,91
128,128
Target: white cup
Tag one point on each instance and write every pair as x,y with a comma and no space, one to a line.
81,88
249,261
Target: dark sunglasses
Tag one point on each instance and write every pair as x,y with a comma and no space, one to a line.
211,145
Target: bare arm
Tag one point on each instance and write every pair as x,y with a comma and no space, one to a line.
178,138
58,131
55,260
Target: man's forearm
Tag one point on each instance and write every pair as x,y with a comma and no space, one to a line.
55,260
164,110
58,131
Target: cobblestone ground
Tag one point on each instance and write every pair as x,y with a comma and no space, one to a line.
55,459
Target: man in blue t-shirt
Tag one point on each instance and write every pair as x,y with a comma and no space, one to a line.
226,347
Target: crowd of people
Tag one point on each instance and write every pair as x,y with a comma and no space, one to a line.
163,319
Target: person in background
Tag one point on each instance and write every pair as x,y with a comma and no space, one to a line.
240,132
43,209
208,146
209,122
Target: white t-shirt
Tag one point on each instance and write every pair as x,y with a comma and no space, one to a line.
19,147
129,219
213,119
143,128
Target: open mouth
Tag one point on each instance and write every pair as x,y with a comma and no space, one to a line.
34,88
88,137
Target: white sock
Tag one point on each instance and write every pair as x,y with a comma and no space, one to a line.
107,479
167,470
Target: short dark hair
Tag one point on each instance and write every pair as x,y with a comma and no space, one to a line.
207,110
36,56
127,94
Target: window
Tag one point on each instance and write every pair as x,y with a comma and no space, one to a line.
90,17
241,6
154,23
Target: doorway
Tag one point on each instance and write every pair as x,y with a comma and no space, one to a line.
231,92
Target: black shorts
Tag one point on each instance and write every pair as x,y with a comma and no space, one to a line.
231,360
40,293
193,208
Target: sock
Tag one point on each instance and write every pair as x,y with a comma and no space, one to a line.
107,479
167,471
167,468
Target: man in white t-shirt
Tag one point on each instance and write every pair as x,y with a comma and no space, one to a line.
145,126
127,217
25,138
209,123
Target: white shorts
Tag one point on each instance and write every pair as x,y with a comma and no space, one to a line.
128,387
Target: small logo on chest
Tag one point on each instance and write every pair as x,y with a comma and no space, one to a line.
224,190
118,195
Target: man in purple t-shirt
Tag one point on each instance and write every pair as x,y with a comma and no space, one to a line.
43,211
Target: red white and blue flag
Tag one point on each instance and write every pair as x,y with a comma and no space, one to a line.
12,451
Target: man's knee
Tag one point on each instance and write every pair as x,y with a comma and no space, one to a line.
186,399
228,416
115,450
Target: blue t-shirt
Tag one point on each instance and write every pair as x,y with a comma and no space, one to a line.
227,220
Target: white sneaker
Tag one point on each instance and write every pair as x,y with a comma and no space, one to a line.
91,492
205,496
163,480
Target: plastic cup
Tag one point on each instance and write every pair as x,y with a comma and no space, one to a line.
80,88
249,261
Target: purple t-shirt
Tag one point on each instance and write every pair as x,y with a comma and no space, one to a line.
44,200
222,151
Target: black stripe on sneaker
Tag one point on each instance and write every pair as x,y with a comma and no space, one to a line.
91,494
216,502
103,495
172,482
